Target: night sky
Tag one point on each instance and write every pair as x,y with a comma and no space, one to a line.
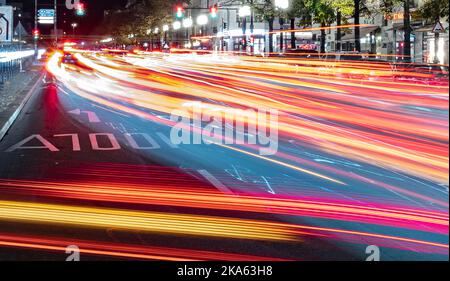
87,24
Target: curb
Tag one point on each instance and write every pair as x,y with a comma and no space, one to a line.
4,130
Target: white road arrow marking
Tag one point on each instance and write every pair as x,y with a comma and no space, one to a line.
92,117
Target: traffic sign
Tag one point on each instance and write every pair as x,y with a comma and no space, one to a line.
46,13
438,28
6,23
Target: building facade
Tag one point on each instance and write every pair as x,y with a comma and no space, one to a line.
383,35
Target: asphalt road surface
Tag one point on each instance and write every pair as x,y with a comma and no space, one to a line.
357,169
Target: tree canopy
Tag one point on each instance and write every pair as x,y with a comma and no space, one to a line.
433,10
144,15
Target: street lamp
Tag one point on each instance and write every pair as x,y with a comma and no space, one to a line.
165,28
202,20
20,42
187,23
176,25
245,11
282,4
74,25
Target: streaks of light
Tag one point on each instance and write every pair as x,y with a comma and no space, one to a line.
356,110
142,252
187,224
284,164
146,221
183,196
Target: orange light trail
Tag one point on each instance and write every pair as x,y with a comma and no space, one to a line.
151,222
373,114
141,252
179,224
370,123
183,196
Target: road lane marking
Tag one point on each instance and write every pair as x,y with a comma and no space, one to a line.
110,110
287,165
112,139
46,144
167,140
75,141
153,144
214,181
136,140
92,116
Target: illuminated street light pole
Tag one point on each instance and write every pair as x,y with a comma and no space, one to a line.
56,24
74,25
165,29
35,27
244,12
283,5
187,23
20,41
252,28
202,20
176,27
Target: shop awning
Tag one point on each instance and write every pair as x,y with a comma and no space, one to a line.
400,26
425,28
363,32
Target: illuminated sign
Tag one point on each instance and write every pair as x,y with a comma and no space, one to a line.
395,16
46,16
46,13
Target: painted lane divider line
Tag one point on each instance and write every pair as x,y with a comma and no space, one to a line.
214,181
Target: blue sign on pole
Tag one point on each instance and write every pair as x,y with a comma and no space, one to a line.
46,13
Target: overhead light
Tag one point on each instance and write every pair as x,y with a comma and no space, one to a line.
282,4
202,19
187,22
176,25
245,11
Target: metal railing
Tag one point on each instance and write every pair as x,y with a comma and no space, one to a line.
14,58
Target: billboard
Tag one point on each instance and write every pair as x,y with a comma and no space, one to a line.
6,23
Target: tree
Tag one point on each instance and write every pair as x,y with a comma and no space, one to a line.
342,9
300,11
323,13
140,17
433,11
388,6
357,15
267,11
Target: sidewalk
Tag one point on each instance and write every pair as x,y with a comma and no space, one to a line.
14,93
